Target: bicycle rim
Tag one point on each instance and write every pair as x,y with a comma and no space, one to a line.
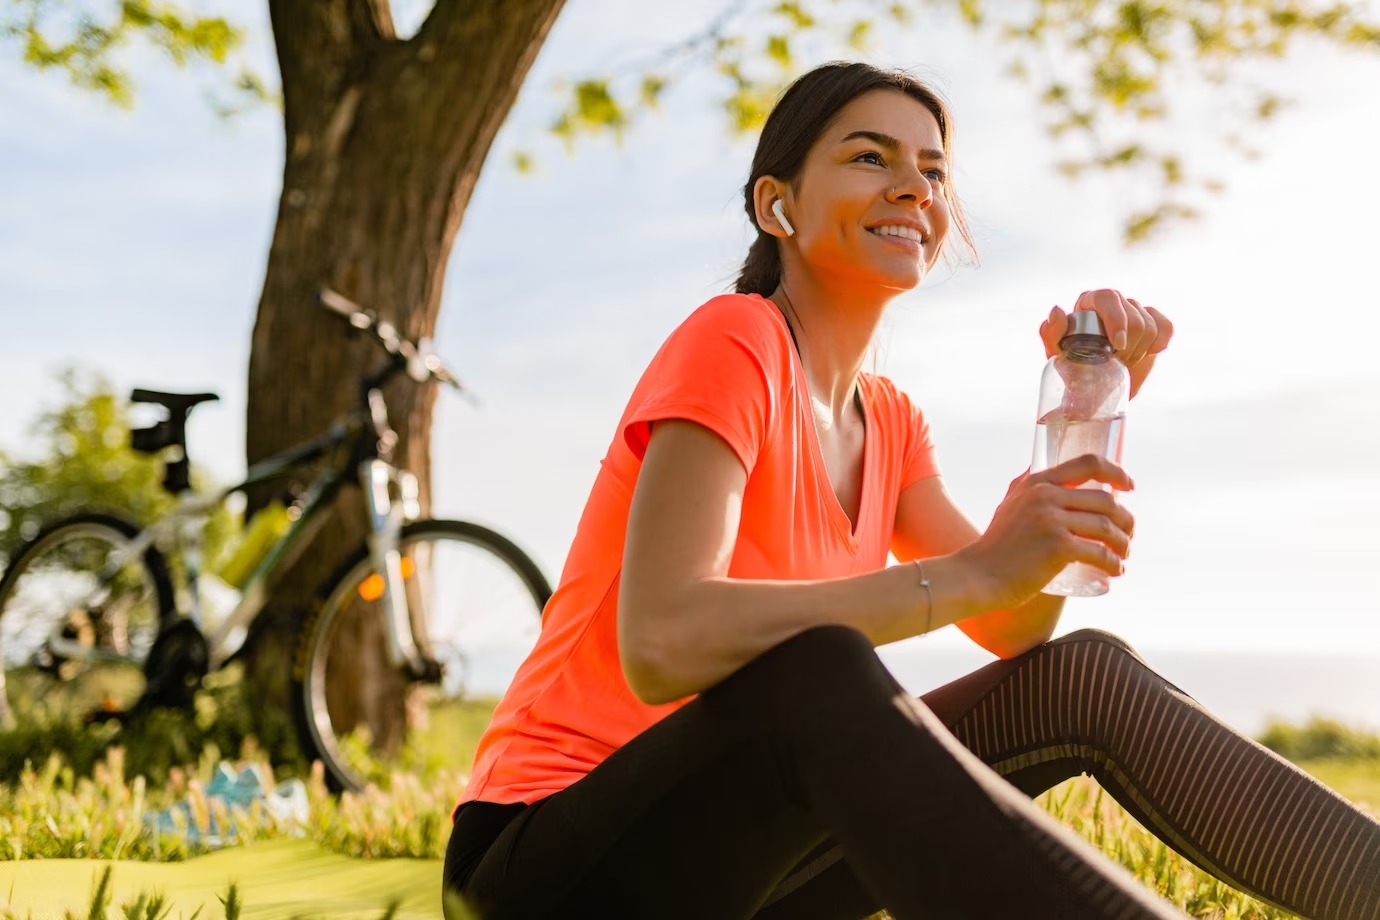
74,627
476,603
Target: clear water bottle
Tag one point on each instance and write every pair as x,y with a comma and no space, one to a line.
1083,395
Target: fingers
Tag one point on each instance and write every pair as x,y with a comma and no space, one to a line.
1091,514
1102,506
1096,553
1099,529
1052,330
1138,346
1123,322
1087,468
1135,330
1164,330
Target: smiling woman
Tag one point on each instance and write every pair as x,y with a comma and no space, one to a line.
704,728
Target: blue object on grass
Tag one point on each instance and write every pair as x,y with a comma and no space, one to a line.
239,789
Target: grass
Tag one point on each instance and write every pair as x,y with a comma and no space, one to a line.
287,877
52,811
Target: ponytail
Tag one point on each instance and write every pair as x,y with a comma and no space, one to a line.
761,272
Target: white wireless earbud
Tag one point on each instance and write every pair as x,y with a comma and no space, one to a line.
780,213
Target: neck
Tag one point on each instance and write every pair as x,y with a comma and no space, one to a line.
833,328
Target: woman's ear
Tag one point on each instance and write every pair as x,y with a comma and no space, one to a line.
769,201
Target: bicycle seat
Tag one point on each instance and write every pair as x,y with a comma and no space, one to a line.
173,402
172,431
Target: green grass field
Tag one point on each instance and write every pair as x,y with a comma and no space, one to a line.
378,854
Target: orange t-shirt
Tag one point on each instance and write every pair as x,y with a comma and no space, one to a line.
731,367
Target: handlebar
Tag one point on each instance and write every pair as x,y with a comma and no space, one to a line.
419,361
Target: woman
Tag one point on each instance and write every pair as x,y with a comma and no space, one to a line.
704,729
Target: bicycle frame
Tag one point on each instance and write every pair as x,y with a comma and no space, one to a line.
391,497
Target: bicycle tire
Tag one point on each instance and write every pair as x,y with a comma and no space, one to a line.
328,714
21,610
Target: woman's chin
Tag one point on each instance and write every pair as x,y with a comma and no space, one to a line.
900,281
891,279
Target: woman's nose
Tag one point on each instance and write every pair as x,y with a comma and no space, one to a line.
913,187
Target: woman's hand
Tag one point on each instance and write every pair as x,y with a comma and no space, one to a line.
1043,525
1138,333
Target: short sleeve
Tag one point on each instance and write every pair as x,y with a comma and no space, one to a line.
919,459
721,368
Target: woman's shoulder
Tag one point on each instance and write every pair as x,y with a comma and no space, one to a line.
887,399
748,319
885,391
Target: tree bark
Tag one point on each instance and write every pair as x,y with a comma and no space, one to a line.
385,140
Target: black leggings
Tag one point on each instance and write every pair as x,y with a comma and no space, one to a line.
809,784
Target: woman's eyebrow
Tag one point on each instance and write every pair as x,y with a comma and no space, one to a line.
891,143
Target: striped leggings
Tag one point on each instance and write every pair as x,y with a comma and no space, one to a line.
810,785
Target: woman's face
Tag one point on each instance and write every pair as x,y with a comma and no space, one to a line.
870,184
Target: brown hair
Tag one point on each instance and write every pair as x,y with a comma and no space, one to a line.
804,111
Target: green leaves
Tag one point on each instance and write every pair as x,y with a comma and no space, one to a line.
1106,73
85,40
80,460
795,14
779,49
1103,73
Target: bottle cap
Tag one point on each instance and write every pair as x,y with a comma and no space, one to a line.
1082,322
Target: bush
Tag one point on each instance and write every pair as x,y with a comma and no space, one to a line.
1320,739
153,744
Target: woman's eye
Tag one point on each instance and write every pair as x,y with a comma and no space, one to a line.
937,176
877,157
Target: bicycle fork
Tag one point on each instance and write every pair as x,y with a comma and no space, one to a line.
391,496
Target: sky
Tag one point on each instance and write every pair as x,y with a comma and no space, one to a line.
133,244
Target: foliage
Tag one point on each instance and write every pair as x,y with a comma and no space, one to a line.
51,812
153,745
84,40
154,905
1320,739
54,812
84,463
1101,72
1083,805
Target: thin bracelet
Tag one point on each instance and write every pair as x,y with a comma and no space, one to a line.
925,583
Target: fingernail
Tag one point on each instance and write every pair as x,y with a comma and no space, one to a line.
1120,342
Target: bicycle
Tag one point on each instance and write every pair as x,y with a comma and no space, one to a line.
89,610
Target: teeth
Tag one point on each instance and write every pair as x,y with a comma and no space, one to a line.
895,230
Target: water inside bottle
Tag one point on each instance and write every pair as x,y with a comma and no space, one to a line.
1058,440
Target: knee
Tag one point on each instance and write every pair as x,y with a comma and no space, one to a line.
827,664
821,653
1105,640
1095,636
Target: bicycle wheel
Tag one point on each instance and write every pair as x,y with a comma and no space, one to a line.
77,619
476,602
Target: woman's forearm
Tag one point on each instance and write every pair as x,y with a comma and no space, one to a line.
720,624
1013,632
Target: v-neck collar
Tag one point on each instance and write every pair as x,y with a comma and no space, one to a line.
847,530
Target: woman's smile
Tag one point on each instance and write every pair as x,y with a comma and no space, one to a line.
900,236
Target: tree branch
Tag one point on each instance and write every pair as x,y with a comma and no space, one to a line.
321,46
374,18
475,55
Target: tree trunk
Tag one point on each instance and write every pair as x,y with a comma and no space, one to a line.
384,143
